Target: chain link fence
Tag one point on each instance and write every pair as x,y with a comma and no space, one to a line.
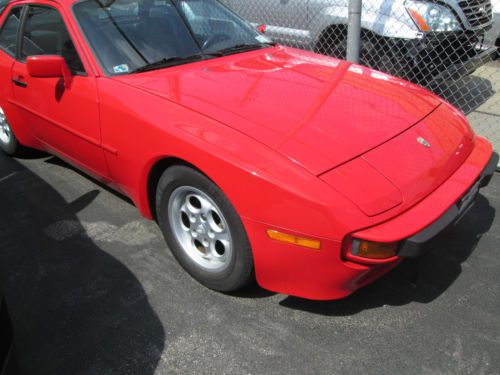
448,46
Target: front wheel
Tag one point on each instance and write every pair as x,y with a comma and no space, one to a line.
203,230
8,141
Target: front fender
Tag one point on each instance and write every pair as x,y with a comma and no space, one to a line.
260,183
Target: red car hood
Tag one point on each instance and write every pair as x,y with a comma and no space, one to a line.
318,111
407,168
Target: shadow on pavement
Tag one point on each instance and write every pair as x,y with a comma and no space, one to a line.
420,279
252,291
249,292
53,160
74,308
466,93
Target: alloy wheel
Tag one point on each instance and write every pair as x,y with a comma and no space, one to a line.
200,228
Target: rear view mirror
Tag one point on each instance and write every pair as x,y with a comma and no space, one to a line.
47,66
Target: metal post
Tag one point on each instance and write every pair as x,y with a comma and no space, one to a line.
354,31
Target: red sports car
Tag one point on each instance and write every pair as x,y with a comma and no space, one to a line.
313,175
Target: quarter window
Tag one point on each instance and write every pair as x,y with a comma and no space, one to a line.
8,34
45,34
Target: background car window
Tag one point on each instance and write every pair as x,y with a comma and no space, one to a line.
216,27
46,34
8,33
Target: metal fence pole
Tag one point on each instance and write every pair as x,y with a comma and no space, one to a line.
354,31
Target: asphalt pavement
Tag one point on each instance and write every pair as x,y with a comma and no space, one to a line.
92,289
478,96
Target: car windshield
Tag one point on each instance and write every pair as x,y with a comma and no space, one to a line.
137,35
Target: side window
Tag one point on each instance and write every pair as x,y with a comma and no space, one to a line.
8,33
46,34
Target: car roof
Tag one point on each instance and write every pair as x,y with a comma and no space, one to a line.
4,3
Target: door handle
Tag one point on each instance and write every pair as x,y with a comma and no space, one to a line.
19,83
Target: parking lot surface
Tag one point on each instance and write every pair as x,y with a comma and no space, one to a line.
92,289
478,96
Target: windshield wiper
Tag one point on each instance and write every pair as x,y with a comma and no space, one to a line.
172,61
242,48
178,60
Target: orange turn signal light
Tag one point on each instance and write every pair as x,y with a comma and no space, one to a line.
294,240
419,20
374,250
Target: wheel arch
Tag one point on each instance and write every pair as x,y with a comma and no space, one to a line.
325,34
153,175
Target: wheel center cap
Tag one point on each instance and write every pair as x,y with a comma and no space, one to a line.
200,229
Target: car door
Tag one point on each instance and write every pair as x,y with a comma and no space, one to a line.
8,38
63,113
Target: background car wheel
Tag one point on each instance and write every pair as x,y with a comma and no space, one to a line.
375,51
203,230
8,141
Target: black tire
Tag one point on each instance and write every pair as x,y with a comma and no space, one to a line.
239,270
8,141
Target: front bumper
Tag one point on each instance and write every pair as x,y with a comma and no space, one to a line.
439,57
325,274
414,246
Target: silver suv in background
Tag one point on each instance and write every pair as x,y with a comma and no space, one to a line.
417,40
493,36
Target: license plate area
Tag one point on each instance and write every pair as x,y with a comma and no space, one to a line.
468,198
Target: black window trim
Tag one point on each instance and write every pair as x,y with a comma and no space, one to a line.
23,9
20,31
20,39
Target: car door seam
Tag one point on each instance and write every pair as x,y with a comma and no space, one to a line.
61,126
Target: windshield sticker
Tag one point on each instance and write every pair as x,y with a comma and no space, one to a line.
123,68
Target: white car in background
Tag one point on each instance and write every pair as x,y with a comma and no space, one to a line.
418,40
493,36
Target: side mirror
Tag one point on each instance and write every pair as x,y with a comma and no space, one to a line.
47,66
262,28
